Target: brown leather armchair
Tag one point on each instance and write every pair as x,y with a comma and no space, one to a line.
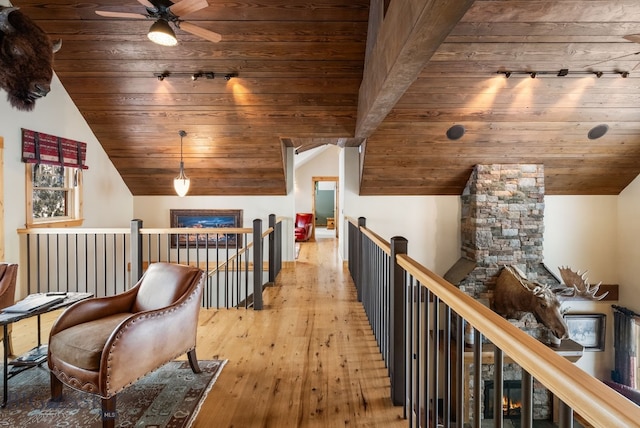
8,274
102,345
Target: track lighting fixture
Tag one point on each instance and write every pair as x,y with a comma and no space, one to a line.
209,75
181,182
561,73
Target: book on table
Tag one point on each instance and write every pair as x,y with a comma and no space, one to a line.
34,357
34,302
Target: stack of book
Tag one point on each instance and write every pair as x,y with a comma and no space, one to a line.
35,302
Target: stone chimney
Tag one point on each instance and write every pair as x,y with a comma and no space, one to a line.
502,224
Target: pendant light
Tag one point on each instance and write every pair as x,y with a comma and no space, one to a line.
181,182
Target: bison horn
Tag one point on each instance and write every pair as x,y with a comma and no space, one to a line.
5,25
57,45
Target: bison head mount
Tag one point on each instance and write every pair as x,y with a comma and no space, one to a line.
26,59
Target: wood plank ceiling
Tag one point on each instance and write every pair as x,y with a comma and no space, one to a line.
299,69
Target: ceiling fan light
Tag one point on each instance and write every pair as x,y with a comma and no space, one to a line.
162,34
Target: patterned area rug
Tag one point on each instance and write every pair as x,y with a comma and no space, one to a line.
169,397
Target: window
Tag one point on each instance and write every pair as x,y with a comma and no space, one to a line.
54,196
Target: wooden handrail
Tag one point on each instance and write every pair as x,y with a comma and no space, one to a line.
589,397
381,243
74,230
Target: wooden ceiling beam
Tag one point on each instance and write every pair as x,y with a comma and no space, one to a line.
407,38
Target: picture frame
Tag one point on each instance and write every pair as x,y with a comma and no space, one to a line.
588,330
206,219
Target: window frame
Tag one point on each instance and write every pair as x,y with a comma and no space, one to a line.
74,195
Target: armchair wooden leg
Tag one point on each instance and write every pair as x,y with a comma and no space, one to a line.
193,361
109,412
56,388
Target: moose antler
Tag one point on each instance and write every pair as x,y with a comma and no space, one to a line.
580,284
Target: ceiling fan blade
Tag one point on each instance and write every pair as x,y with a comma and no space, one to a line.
200,32
147,3
108,14
633,38
186,7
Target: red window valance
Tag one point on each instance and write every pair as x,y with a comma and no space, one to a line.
40,148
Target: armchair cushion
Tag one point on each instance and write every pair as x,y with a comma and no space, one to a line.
162,288
82,344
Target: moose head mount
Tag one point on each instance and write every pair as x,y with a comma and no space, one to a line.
515,295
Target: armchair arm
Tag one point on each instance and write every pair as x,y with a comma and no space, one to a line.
164,334
94,308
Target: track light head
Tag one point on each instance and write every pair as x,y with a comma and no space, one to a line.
229,76
624,74
195,76
161,76
533,74
563,72
598,74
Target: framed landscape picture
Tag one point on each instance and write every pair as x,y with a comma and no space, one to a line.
206,219
587,329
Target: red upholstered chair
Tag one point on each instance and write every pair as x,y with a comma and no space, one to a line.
303,226
105,344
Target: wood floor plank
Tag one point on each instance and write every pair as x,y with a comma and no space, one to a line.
309,359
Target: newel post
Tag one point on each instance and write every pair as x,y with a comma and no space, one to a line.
257,264
136,251
362,222
397,333
272,249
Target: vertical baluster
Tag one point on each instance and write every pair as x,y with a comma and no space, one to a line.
498,387
477,376
526,415
411,356
435,352
459,371
565,415
446,353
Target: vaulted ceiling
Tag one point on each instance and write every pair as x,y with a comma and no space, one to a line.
302,81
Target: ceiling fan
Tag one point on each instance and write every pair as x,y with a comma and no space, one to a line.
164,12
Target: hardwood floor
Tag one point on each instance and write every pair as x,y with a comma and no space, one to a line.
308,359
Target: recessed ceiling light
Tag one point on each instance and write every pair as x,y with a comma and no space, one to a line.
597,131
455,132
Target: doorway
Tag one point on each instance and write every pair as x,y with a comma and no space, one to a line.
324,203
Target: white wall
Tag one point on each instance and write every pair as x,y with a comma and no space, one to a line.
431,224
154,211
323,162
107,200
581,232
629,245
